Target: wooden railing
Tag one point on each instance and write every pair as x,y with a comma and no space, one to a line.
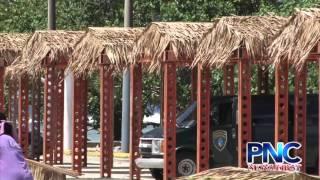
41,171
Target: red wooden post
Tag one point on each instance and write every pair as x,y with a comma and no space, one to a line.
169,171
23,115
2,104
244,104
58,110
136,115
48,140
281,103
300,114
13,101
84,93
228,80
263,80
36,105
106,121
79,121
203,118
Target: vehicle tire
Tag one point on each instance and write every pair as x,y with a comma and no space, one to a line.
157,174
186,164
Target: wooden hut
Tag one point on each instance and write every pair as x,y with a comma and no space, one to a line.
10,48
294,47
109,50
45,53
11,45
162,47
241,40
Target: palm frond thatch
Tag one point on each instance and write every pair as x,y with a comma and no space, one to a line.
41,171
56,45
298,38
181,37
114,42
228,34
246,174
11,45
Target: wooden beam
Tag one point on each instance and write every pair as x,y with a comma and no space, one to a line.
136,116
281,103
263,79
13,101
170,98
203,118
228,80
59,115
300,114
79,124
106,121
48,137
244,104
24,115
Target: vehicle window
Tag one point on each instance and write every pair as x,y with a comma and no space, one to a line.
263,112
186,118
221,114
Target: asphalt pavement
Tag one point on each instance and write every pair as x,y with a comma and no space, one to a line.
120,169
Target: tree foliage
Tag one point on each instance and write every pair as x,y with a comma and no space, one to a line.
31,15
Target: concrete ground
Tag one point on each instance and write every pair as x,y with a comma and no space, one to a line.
120,169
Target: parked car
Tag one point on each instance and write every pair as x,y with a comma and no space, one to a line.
223,120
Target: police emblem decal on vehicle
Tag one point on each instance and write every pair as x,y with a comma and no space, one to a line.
220,139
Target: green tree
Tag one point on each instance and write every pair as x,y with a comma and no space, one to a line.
31,15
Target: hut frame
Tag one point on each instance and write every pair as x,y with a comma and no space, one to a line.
53,111
296,46
169,65
11,46
46,51
162,47
105,49
106,116
247,46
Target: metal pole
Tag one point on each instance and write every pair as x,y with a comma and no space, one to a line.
51,14
125,124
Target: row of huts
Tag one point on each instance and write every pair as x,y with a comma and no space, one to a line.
267,41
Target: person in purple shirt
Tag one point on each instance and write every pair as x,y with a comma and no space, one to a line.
12,163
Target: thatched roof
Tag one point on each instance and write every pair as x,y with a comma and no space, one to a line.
255,33
114,42
181,37
57,45
234,173
10,46
298,38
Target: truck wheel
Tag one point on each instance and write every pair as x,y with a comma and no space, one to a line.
157,174
186,164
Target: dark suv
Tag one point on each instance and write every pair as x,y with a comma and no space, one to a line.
223,119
